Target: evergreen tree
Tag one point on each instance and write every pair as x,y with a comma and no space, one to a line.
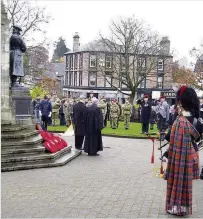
60,49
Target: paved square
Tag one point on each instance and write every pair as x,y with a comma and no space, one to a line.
120,183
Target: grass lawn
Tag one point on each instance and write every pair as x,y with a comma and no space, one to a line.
133,131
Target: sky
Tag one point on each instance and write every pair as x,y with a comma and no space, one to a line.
181,21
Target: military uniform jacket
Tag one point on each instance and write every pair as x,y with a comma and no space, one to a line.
114,111
145,112
127,109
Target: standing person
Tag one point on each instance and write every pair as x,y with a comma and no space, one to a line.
36,109
163,114
114,113
102,106
93,127
61,114
55,107
153,117
120,113
127,110
145,114
79,110
183,163
45,112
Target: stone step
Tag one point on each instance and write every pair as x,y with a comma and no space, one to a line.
8,152
19,134
35,158
28,142
64,159
14,128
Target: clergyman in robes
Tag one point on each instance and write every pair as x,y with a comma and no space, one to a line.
93,126
79,110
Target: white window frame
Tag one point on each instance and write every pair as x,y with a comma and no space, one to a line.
93,58
160,82
142,83
142,62
161,65
109,77
109,61
90,80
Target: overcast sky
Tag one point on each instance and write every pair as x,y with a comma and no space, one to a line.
181,21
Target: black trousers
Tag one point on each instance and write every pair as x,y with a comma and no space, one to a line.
79,141
45,120
145,127
161,124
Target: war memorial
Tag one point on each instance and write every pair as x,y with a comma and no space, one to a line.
21,144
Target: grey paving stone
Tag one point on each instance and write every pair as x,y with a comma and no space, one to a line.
118,183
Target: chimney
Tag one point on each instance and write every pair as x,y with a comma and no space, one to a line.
76,42
165,46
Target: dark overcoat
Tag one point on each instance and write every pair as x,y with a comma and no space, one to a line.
145,112
93,127
79,110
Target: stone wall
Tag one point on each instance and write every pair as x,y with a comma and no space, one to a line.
6,113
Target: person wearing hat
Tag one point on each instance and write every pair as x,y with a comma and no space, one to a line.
45,112
79,110
127,110
114,113
145,114
17,48
163,114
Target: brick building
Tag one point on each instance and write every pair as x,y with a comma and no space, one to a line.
84,76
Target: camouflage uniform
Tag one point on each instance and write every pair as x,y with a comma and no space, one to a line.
68,110
127,109
114,113
102,105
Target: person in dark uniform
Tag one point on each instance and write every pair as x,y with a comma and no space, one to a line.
79,110
145,113
45,112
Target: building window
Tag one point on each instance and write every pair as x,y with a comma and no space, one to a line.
67,82
108,80
160,65
76,62
75,78
92,60
81,60
71,78
143,83
108,61
64,79
141,62
122,62
67,62
160,82
71,62
80,78
92,79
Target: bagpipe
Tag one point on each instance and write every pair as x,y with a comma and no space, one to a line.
161,137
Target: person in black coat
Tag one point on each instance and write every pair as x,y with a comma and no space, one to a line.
93,127
145,114
79,110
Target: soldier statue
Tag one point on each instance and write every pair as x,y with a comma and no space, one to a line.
17,48
127,110
114,113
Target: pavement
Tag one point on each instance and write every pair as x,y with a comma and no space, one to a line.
120,183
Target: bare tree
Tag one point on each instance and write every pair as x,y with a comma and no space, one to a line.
135,51
27,15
